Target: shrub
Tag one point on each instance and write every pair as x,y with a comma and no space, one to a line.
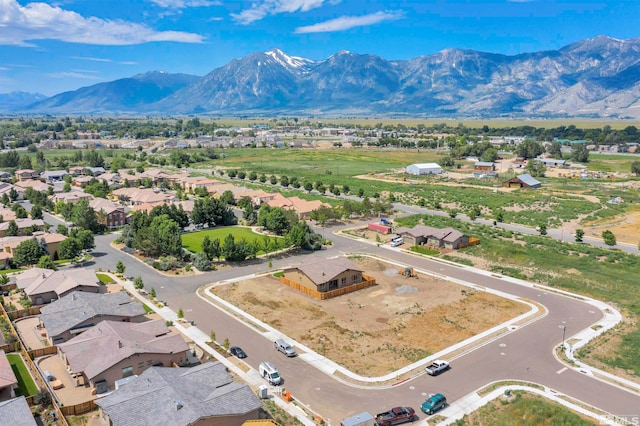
201,262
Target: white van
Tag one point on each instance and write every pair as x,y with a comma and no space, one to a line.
270,373
397,241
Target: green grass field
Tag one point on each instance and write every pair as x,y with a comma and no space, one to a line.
193,240
104,278
26,385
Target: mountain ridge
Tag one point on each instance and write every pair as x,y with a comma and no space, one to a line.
596,77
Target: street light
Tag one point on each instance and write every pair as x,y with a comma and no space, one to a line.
564,330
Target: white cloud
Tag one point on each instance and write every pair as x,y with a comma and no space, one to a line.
73,74
40,21
262,8
347,22
183,4
4,69
128,63
88,58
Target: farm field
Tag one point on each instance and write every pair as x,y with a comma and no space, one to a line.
192,241
378,329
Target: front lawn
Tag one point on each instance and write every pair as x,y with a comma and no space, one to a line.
193,241
26,385
104,278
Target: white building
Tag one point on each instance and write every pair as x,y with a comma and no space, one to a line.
424,169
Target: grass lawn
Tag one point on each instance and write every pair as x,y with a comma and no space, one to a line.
104,278
425,251
26,385
147,309
193,240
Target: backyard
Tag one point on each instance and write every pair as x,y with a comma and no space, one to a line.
26,385
378,329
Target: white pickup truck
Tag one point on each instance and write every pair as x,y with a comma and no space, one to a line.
437,367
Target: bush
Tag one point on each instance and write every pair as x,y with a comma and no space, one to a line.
42,398
201,262
167,263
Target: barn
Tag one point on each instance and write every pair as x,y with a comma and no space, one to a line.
424,169
522,181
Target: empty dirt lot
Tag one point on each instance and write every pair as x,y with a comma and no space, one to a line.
378,329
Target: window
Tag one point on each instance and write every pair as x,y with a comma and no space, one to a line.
127,372
343,281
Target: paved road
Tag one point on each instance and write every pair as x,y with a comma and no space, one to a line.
526,354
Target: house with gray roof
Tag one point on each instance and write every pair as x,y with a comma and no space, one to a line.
51,176
426,235
197,396
524,180
78,311
45,285
324,275
16,412
125,349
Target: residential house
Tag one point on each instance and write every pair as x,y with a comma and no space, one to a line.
553,162
204,395
71,197
134,196
5,188
16,412
45,285
8,380
94,171
484,166
36,185
25,226
125,349
5,176
524,180
78,311
76,171
196,182
82,181
51,176
424,169
7,214
50,242
324,275
425,235
109,214
26,174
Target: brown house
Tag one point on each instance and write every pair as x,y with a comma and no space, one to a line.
24,225
522,181
108,213
51,241
325,274
8,380
26,174
125,349
45,285
441,238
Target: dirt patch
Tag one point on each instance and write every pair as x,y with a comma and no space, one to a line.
379,329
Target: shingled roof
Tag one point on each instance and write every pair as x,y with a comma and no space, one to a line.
178,396
16,412
115,341
323,270
79,306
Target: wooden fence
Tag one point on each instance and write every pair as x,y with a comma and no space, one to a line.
368,282
22,313
472,242
76,410
10,347
37,353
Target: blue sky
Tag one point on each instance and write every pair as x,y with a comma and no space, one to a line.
54,46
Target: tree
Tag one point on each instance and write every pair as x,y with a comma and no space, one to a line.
201,262
161,238
138,284
474,213
12,229
152,293
635,168
536,168
120,267
84,216
579,235
555,150
85,237
70,248
62,229
609,238
180,313
36,212
308,186
45,262
28,252
542,229
529,149
489,155
499,216
580,153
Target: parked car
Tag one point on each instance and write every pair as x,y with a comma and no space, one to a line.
437,367
237,351
396,416
434,403
270,373
284,347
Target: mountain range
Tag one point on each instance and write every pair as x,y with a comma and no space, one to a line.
597,77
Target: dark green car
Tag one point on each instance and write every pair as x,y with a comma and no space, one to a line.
434,403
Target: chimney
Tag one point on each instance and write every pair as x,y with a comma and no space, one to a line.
119,344
178,404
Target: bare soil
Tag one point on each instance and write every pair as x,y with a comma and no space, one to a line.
379,329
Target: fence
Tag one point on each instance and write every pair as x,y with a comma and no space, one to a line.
10,347
37,353
21,313
368,282
472,242
76,410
